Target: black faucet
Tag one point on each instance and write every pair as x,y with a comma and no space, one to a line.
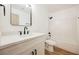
3,8
25,30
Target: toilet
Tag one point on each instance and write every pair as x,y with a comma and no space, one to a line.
49,45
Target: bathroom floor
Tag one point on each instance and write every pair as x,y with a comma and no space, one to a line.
59,51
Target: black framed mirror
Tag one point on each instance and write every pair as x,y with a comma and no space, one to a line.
21,15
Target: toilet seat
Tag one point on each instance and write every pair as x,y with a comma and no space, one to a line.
50,42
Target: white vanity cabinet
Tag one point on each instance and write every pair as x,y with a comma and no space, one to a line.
31,46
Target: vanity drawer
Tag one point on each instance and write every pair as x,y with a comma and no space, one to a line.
39,49
24,47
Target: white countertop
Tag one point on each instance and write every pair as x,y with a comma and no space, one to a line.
5,40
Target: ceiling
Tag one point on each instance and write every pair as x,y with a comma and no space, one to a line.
58,7
49,7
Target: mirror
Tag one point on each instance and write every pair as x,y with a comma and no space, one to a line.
21,15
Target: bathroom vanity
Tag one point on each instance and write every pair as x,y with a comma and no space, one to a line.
11,43
33,44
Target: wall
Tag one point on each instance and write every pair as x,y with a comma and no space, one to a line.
63,27
40,20
77,26
5,21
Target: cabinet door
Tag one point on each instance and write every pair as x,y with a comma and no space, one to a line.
38,47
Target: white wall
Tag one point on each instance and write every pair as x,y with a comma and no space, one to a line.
40,20
5,21
63,27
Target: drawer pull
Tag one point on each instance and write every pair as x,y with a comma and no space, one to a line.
32,53
35,52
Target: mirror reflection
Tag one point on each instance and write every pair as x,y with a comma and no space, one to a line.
21,14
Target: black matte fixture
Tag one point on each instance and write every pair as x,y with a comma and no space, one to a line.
3,8
32,52
35,51
49,34
25,30
50,17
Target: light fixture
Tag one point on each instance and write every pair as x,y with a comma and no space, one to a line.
50,17
3,8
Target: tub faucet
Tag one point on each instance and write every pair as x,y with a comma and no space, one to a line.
25,28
